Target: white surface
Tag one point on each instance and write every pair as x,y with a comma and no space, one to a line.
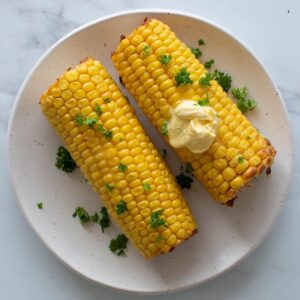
225,236
29,271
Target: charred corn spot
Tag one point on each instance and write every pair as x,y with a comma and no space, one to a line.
155,90
76,92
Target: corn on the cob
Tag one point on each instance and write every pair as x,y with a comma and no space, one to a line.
137,59
120,164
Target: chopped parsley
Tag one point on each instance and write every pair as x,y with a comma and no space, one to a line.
248,137
201,42
243,102
98,109
107,100
164,128
203,102
209,63
165,59
39,205
156,219
240,159
122,168
82,214
197,52
95,218
109,187
119,244
121,207
183,77
88,121
147,187
64,161
205,80
106,133
104,218
188,168
159,238
223,79
184,181
146,51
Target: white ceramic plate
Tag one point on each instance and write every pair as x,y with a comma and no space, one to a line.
226,235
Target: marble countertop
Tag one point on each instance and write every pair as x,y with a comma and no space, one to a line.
28,28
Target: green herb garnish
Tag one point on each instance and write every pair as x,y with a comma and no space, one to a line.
147,187
240,159
88,121
98,109
205,80
64,161
119,244
122,168
188,168
104,218
209,63
159,238
203,102
82,214
95,218
197,52
156,219
39,205
109,187
184,181
107,100
201,42
165,59
183,77
146,51
243,102
106,133
223,79
121,207
164,128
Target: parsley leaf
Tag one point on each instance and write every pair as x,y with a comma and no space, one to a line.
205,80
88,121
209,63
95,218
156,219
122,168
183,77
243,103
64,161
39,205
104,218
119,244
146,51
159,238
184,181
188,168
121,207
197,52
203,102
106,133
240,159
165,59
82,214
109,187
223,79
201,42
164,128
98,109
147,187
107,100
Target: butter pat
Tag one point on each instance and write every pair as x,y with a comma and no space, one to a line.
193,126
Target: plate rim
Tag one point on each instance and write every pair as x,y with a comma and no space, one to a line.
116,15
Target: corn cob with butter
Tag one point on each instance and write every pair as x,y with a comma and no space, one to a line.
106,140
138,60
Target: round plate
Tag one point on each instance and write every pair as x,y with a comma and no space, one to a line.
226,235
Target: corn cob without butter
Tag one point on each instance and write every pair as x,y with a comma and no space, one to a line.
138,60
106,140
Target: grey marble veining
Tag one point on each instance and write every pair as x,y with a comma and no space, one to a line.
28,28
